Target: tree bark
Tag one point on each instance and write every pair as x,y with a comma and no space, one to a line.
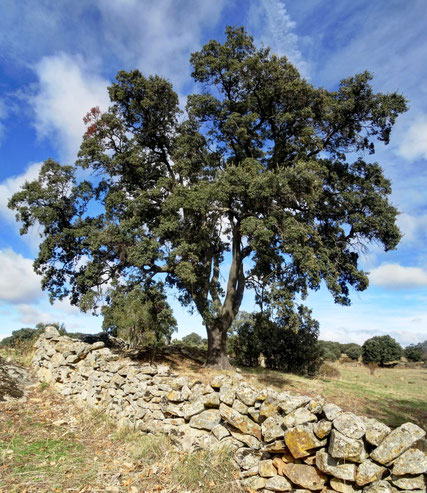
217,346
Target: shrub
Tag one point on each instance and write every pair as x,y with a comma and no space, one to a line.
352,350
413,352
381,350
288,343
22,335
331,351
329,371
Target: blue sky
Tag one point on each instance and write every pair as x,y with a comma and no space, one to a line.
57,58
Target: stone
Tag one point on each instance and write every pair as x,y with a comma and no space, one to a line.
397,442
301,439
349,425
331,411
220,432
211,400
290,403
306,476
341,486
248,440
272,429
219,380
338,469
50,332
299,417
247,395
409,482
316,405
279,464
278,483
246,458
342,447
254,483
254,414
375,431
240,407
242,423
413,461
277,447
323,428
368,472
266,469
268,408
193,408
206,420
379,487
253,471
226,394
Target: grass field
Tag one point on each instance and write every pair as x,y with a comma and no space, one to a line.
49,445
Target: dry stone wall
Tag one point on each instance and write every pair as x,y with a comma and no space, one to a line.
281,442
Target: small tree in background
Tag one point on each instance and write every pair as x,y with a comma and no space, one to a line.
413,352
331,350
381,350
288,342
140,316
194,339
352,350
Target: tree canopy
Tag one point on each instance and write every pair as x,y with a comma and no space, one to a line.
263,176
381,350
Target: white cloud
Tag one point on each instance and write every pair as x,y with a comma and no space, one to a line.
18,281
31,315
395,276
274,27
67,90
12,185
414,228
413,144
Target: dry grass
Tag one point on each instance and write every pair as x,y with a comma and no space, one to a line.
49,445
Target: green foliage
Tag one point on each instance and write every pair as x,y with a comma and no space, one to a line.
288,343
194,339
22,335
141,316
381,350
261,169
413,352
331,351
352,350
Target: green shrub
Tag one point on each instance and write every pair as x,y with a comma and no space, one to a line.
288,343
413,352
331,351
352,350
381,350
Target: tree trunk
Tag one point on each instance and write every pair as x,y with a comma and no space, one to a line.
217,346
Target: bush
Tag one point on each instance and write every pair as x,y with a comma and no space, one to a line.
413,352
288,343
331,351
329,371
352,350
381,350
22,335
194,339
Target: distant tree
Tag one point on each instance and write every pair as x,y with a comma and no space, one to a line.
25,334
331,350
352,350
192,339
413,352
266,174
140,316
60,327
381,350
288,342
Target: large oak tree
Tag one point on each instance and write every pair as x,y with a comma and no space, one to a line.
263,175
